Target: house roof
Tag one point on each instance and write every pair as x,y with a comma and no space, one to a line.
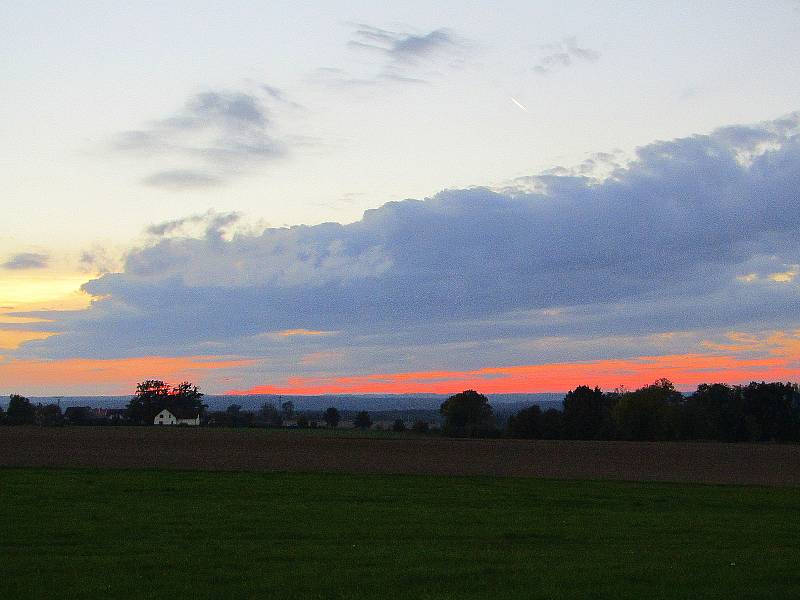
181,413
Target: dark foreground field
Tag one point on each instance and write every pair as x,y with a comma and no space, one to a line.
342,452
156,534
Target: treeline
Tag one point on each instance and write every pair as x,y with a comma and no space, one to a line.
153,396
285,415
20,411
756,412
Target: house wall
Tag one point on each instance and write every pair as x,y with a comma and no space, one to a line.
164,419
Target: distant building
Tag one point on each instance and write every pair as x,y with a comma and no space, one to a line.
116,414
176,417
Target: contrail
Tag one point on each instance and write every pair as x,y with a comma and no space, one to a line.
518,103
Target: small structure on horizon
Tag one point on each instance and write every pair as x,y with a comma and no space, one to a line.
176,416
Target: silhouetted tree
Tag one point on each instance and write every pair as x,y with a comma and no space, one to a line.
302,420
399,426
20,411
188,398
467,413
772,411
149,400
420,426
331,416
650,413
237,417
153,396
2,416
587,414
48,415
270,415
552,424
527,423
362,420
79,415
715,412
287,408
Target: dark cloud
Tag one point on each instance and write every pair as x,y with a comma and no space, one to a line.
27,260
692,233
563,54
215,137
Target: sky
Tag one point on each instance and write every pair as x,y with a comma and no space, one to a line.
337,197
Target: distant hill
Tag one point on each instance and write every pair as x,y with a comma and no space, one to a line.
502,403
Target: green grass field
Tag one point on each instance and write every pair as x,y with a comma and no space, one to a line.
147,534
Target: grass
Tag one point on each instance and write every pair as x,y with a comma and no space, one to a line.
148,534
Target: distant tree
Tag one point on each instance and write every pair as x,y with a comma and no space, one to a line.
302,420
151,398
467,413
20,411
399,426
587,414
772,411
715,412
2,416
270,415
187,397
650,413
48,415
552,424
527,423
362,420
420,426
331,416
79,415
237,417
287,408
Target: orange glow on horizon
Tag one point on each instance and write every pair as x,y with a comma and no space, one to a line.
111,376
685,370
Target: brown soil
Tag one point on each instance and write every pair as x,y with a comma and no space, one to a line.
251,450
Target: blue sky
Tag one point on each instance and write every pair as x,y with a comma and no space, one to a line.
619,177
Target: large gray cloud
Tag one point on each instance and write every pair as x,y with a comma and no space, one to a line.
216,136
693,233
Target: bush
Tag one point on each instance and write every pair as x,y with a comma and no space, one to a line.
362,420
420,426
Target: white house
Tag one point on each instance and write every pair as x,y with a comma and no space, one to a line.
176,417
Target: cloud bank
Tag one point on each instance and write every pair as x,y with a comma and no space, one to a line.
694,235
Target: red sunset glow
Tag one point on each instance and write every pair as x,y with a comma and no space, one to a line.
685,370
